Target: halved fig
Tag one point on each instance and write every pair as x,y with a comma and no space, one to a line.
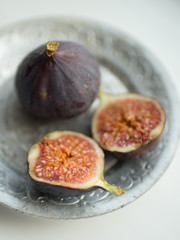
128,124
68,164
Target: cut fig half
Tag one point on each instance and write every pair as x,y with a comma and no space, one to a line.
128,124
68,164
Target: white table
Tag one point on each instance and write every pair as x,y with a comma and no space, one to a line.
155,215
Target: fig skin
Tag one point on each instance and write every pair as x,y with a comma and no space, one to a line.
132,150
141,151
59,191
57,80
69,189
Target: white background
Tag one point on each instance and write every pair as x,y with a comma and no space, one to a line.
155,215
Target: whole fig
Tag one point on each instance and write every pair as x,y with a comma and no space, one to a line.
58,80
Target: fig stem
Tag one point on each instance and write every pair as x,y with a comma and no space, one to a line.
111,188
104,96
51,48
101,94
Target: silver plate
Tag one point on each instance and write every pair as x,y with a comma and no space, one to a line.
125,66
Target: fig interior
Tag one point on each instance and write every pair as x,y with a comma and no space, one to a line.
68,158
129,119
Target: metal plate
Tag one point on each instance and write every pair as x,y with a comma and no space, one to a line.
125,66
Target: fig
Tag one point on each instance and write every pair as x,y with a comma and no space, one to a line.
57,80
128,124
66,163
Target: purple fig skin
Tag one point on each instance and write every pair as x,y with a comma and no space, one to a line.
59,191
140,152
58,86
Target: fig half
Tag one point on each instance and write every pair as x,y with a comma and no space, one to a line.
68,164
128,124
58,80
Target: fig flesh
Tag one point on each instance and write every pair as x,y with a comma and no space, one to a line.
128,124
68,164
58,80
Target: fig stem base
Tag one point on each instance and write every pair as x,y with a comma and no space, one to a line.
110,188
51,48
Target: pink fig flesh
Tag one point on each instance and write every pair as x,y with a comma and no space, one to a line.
68,160
127,122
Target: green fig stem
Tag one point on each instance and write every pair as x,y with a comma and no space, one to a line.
102,94
111,188
51,48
